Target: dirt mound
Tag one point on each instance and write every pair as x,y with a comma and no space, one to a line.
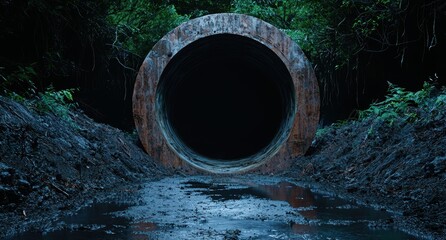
399,165
51,164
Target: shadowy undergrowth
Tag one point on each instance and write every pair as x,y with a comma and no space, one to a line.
59,102
400,107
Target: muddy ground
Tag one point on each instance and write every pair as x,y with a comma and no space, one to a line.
399,166
218,207
50,167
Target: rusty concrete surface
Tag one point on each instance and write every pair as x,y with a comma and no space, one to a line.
306,90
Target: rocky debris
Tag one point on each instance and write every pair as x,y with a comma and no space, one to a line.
47,163
232,234
13,187
401,166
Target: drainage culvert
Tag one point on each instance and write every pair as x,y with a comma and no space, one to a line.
226,93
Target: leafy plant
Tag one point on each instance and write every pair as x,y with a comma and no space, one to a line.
197,8
140,24
320,132
398,104
57,102
441,100
20,83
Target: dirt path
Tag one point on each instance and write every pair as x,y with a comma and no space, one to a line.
248,207
49,168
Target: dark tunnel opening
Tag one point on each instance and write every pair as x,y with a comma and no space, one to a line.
226,98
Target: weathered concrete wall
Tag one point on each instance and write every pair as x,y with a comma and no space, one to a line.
296,140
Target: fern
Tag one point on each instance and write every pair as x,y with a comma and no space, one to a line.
19,84
57,102
398,104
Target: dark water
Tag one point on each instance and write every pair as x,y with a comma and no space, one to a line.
208,208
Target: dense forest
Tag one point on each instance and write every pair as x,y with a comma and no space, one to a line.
87,52
375,169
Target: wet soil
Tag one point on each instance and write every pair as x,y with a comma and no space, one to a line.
400,167
248,207
50,168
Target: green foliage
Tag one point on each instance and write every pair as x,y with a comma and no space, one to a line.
284,14
320,132
99,43
441,99
301,20
371,16
399,104
57,102
19,83
48,42
140,24
333,33
197,8
311,23
400,107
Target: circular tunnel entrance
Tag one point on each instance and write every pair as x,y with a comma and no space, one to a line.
226,93
225,98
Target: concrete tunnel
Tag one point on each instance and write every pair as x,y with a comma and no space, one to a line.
226,93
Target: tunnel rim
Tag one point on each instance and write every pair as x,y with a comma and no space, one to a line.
215,165
305,87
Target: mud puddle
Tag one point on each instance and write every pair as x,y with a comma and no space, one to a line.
225,208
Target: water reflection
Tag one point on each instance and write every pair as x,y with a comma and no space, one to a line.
208,208
94,222
144,226
297,197
325,215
